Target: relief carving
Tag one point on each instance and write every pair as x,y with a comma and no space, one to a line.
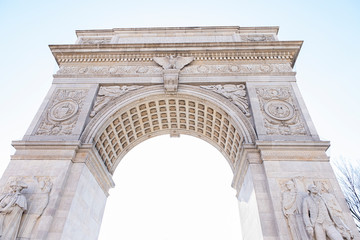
237,68
107,94
12,206
21,210
62,115
38,201
235,93
280,114
172,66
313,213
108,70
257,38
95,40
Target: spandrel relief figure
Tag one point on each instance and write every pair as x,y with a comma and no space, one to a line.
12,207
317,218
38,201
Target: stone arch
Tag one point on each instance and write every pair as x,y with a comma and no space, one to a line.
150,112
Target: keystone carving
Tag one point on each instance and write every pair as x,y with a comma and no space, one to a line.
280,114
235,93
312,211
62,115
172,66
107,94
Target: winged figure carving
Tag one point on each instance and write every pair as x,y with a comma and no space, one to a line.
172,62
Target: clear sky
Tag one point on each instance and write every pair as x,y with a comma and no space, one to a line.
327,74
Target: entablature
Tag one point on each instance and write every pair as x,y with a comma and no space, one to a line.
284,51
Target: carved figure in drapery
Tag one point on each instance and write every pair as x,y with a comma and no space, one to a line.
235,93
38,201
317,218
107,94
334,210
292,198
290,209
12,207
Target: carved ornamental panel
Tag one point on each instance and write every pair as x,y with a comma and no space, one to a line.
280,113
63,112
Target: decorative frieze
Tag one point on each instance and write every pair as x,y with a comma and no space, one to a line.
108,70
193,69
63,112
279,111
107,94
237,68
312,211
235,93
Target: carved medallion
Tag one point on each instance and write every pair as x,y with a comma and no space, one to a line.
280,114
63,110
279,110
62,115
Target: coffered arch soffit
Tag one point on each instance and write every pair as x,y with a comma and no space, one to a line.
149,112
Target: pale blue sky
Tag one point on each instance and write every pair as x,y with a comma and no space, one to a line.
327,65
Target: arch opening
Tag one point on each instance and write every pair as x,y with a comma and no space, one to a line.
172,189
126,125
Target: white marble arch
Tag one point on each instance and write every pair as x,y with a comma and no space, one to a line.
77,147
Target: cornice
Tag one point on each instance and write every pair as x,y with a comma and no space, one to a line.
275,50
167,30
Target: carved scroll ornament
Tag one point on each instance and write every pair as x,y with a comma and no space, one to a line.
235,93
280,114
312,212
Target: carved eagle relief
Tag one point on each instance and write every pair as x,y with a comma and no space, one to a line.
172,62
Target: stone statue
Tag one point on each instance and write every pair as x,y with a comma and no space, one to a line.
12,207
317,218
290,209
335,211
37,204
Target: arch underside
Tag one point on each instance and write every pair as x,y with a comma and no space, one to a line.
167,114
